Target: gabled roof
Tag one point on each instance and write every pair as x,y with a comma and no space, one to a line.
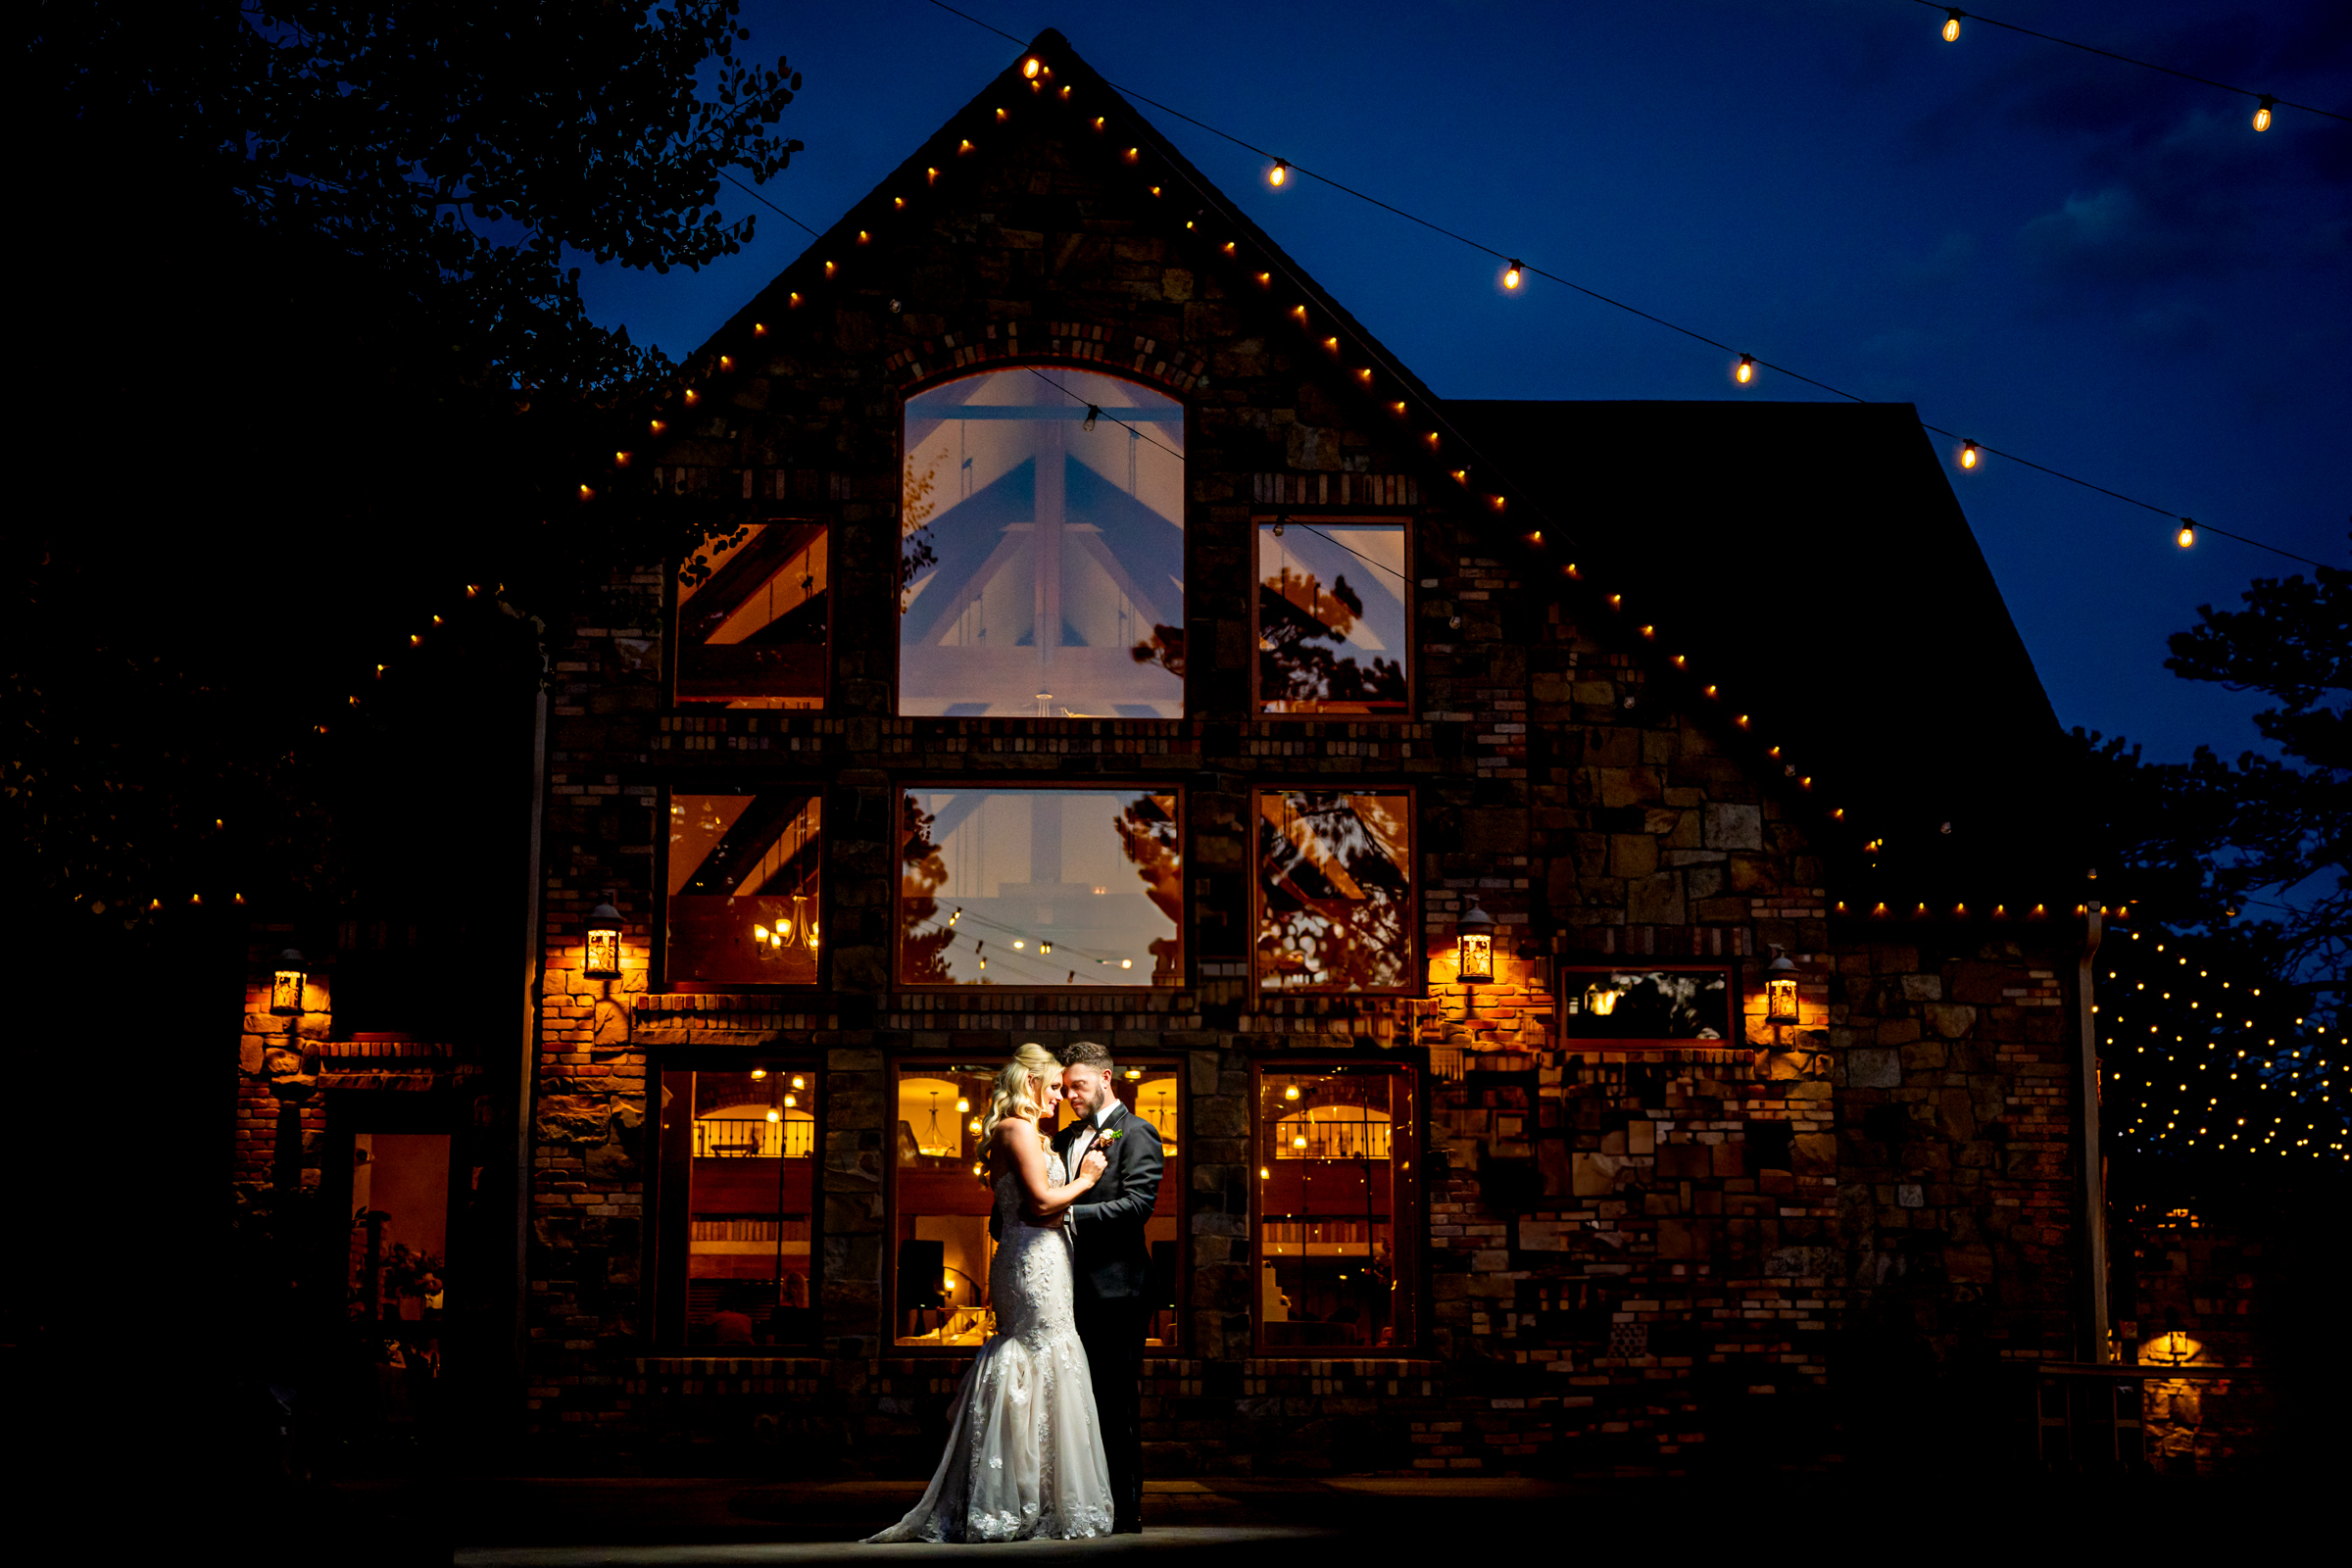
1809,559
1812,561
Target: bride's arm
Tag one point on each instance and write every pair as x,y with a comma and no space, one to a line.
1016,1140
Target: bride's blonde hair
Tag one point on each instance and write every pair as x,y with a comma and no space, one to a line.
1012,1095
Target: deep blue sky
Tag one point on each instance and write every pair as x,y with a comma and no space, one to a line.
2093,266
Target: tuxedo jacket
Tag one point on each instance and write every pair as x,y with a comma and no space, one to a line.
1114,1260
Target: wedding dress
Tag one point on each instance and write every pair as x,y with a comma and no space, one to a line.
1024,1457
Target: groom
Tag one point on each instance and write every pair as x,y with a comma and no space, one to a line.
1114,1298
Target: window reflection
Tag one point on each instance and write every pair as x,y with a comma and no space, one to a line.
743,887
1333,1208
1334,890
1044,547
1040,888
1640,1004
751,632
1333,634
738,1151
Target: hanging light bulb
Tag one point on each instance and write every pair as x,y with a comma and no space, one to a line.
1746,371
1952,24
1967,454
2261,112
1510,274
2188,533
1030,67
1277,173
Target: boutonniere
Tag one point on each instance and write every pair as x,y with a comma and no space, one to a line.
1110,1138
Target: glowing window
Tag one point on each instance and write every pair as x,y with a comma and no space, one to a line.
1334,1210
735,1195
1040,888
1043,556
1334,891
754,614
1334,635
743,887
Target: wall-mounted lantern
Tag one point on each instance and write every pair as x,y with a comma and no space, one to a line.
604,943
1779,990
1474,946
285,983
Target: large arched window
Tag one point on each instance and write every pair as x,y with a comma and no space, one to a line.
1043,556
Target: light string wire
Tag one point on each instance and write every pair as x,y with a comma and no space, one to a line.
1631,309
2272,99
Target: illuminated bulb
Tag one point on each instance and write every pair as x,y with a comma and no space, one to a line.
1126,963
798,1082
1746,371
759,1073
1952,24
1291,1093
1264,1175
791,1100
1031,67
1967,454
964,1104
2262,113
1277,173
975,1125
776,1116
1510,274
2189,533
1299,1142
759,934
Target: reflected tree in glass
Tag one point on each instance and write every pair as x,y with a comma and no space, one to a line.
1335,891
1332,635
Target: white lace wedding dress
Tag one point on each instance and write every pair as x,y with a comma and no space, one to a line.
1024,1457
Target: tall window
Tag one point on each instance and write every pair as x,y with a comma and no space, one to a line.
1043,570
1335,1212
754,614
735,1246
1041,888
743,889
941,1248
1335,893
1334,635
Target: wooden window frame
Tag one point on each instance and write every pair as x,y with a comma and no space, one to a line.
1412,1272
1416,981
1410,521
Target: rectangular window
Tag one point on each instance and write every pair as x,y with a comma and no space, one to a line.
941,1249
1334,892
1334,628
1041,888
743,889
1042,569
1645,1005
1337,1220
735,1191
754,621
399,1251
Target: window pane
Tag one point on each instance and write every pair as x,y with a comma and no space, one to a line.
1040,888
743,881
752,633
743,1156
1154,1091
398,1260
1335,1213
1332,632
1044,559
1334,890
1632,1005
942,1247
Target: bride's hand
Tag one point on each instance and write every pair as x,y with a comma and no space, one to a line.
1094,1164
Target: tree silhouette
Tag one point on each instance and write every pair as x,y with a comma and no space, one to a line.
1337,901
1296,619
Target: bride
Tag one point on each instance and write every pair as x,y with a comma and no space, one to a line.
1024,1457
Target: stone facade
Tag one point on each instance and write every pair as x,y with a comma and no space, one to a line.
1634,1259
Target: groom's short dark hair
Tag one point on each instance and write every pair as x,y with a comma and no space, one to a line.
1085,1053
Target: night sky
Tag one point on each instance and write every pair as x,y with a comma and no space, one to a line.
2093,266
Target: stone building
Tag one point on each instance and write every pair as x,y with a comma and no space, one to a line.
1584,889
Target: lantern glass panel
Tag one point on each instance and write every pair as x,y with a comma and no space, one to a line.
1780,996
285,991
1476,954
604,953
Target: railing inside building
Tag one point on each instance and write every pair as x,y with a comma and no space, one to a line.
717,1139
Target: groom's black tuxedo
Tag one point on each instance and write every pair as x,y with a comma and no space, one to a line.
1112,1290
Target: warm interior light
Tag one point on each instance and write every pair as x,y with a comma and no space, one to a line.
1746,371
759,1073
1952,24
601,961
964,1104
798,1082
1291,1093
1277,173
1510,276
2189,533
2262,113
776,1116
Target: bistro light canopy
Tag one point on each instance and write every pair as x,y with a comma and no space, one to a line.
604,943
1474,950
285,983
1779,989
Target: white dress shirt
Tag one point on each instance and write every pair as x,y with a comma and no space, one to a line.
1086,1136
